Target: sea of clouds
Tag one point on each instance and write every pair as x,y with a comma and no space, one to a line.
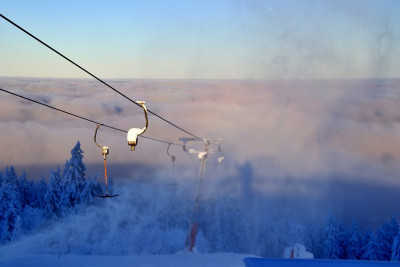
311,145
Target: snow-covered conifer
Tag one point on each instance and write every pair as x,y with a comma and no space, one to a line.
40,189
91,189
220,225
396,248
373,250
331,248
354,242
311,239
53,194
74,180
343,240
30,193
386,234
23,186
10,207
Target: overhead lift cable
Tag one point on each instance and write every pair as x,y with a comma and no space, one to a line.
98,79
83,118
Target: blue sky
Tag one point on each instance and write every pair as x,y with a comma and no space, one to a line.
219,39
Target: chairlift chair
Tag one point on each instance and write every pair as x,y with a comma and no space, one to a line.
222,157
104,150
133,133
173,158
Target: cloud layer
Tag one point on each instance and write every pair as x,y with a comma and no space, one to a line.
294,134
306,127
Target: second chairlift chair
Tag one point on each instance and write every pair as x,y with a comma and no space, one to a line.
133,133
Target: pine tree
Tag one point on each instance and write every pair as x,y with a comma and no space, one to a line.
91,189
386,234
23,190
354,243
30,193
65,199
343,241
53,194
10,207
40,189
228,233
74,180
373,250
396,248
365,240
311,239
330,240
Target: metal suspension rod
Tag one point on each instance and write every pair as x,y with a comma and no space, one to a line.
105,176
191,238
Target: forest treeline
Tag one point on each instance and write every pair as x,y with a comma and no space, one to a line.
26,204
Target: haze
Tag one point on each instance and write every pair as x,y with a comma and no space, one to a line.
305,94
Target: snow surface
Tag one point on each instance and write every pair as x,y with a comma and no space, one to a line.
176,260
260,262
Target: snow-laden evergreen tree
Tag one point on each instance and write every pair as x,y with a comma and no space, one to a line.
31,193
90,191
386,234
354,242
226,228
343,240
311,239
365,240
222,222
10,207
373,250
331,248
65,201
40,189
396,248
53,201
74,180
24,190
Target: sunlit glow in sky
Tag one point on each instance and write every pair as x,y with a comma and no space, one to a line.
223,39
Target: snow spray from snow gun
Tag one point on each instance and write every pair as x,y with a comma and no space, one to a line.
190,241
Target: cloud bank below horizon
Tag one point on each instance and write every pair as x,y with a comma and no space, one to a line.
301,143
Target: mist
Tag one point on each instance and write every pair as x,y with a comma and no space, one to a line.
299,144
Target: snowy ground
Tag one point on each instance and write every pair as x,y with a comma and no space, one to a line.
260,262
176,260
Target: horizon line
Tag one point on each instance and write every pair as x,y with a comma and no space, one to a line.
203,79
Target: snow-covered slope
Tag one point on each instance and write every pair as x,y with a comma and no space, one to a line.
260,262
176,260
